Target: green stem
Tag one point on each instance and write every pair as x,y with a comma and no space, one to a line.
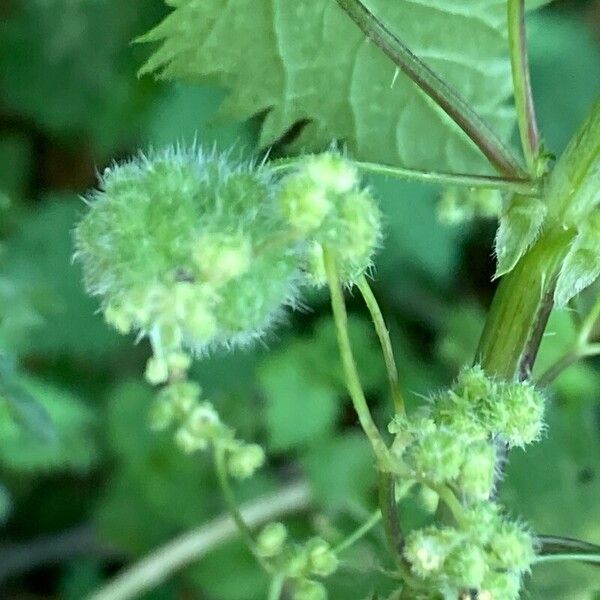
517,41
358,533
353,384
520,309
385,342
276,587
566,361
448,497
516,186
232,506
437,89
389,513
590,558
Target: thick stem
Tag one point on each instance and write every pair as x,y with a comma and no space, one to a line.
385,342
353,384
517,41
520,309
437,89
389,512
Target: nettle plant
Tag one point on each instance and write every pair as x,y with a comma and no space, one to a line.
196,250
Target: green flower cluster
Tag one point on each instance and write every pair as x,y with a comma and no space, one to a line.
198,427
299,563
486,552
451,447
195,250
324,204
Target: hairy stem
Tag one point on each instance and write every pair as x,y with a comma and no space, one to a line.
276,587
384,339
437,89
589,558
515,186
353,384
160,564
517,40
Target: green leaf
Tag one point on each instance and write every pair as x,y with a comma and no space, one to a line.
519,227
306,62
341,470
72,447
298,409
555,486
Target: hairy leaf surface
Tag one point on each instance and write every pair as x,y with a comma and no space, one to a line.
306,62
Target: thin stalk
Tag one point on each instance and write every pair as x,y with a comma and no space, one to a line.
515,186
590,558
232,506
358,533
566,361
353,384
438,90
276,587
517,42
385,342
389,513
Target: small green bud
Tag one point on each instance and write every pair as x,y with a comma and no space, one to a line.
271,539
321,558
182,395
221,258
517,413
428,499
245,460
466,566
332,172
157,370
476,479
474,385
481,521
296,563
188,441
203,421
513,546
437,455
458,205
519,228
304,203
162,415
427,549
179,362
500,586
306,589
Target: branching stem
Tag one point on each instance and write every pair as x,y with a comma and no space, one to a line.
353,384
385,341
358,533
437,89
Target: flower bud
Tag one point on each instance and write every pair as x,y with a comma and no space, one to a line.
271,539
303,203
427,549
500,586
245,460
480,521
188,441
513,546
466,566
157,370
162,415
203,421
321,558
437,455
332,172
221,258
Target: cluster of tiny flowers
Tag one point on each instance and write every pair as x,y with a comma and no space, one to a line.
194,250
453,443
487,552
324,204
198,427
190,249
299,563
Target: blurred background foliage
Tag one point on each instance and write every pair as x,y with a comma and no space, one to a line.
85,487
